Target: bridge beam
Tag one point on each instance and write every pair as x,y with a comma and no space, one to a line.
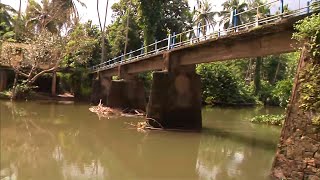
175,97
3,80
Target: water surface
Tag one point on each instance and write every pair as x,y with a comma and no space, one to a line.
42,140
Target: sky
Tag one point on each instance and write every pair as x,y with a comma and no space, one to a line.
90,13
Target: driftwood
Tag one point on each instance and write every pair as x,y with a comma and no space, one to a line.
108,112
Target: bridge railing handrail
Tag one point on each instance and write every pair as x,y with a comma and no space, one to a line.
194,35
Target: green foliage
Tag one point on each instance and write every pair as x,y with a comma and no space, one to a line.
146,77
309,34
220,85
282,91
310,90
23,90
269,119
83,46
123,11
158,18
78,82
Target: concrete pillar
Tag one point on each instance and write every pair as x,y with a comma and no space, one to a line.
127,94
100,88
175,99
3,80
54,84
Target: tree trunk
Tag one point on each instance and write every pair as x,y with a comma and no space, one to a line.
127,32
3,80
54,84
257,76
103,53
14,88
276,73
17,25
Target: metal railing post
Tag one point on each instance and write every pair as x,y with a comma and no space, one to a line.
156,46
281,7
142,49
235,19
130,54
219,33
257,17
169,41
173,40
308,7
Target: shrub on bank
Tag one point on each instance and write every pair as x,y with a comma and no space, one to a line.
269,119
221,86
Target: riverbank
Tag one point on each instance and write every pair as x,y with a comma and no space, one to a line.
6,95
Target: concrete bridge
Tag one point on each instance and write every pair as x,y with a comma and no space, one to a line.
175,98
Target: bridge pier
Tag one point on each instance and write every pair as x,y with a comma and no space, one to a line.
175,98
3,80
128,92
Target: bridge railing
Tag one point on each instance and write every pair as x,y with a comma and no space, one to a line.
202,33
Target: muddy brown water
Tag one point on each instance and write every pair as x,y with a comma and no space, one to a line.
44,141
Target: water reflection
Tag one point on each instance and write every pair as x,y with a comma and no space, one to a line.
52,141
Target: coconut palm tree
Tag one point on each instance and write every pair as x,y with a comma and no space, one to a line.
228,7
52,14
102,28
204,15
6,14
41,16
70,14
262,11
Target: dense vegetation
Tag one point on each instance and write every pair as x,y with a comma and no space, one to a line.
77,46
308,33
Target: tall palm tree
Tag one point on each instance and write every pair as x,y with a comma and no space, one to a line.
70,13
102,28
52,14
41,16
261,12
228,7
204,15
6,14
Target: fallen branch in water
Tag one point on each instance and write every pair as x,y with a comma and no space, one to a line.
144,125
108,112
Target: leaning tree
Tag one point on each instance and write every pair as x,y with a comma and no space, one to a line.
30,60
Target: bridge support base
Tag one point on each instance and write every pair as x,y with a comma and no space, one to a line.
127,94
175,100
100,88
3,80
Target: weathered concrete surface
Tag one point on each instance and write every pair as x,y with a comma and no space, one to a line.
127,94
100,88
298,153
3,80
175,100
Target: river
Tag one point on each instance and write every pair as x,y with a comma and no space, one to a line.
44,141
